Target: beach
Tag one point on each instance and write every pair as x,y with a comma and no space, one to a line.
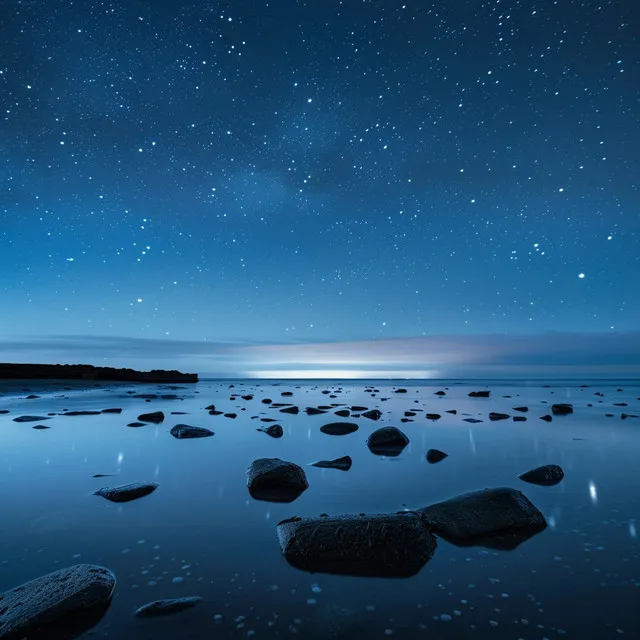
201,533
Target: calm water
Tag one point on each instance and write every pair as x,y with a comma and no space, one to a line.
202,534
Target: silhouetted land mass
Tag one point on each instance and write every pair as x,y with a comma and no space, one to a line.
10,371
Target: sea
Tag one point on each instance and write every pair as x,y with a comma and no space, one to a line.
201,533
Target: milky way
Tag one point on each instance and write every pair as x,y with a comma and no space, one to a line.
284,171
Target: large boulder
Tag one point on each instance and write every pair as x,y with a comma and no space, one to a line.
127,492
480,516
62,604
182,431
388,441
547,475
385,545
275,480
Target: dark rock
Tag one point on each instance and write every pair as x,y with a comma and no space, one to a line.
546,418
87,372
126,492
519,418
4,411
287,393
266,401
479,394
452,411
40,426
166,607
388,441
440,393
146,396
62,604
293,410
137,424
80,413
343,413
472,517
184,431
268,420
275,480
385,545
372,414
115,410
344,463
339,428
433,416
547,475
493,416
435,455
312,411
178,413
521,409
358,408
213,412
274,430
32,396
156,417
409,414
249,397
103,475
620,404
30,419
211,407
472,420
400,391
231,415
561,409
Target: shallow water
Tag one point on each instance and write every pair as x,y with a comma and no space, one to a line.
201,534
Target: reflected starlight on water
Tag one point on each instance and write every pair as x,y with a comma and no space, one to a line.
593,493
632,529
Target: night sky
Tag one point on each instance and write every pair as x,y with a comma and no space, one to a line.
184,182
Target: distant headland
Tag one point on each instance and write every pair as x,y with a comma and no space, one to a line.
10,371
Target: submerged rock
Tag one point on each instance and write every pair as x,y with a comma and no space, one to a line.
127,492
435,455
344,463
165,607
30,418
156,416
339,428
521,409
473,517
66,602
561,409
547,475
183,431
275,480
312,411
385,545
388,441
40,427
137,424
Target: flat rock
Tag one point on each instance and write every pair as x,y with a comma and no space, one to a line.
156,417
30,418
470,517
472,420
479,394
435,455
127,492
494,415
372,414
388,441
547,475
275,480
312,411
339,428
183,431
114,410
385,545
343,413
80,413
521,409
166,607
561,409
433,416
546,418
358,408
137,424
273,430
293,410
67,601
519,418
40,427
344,463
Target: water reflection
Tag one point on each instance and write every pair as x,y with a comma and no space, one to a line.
593,492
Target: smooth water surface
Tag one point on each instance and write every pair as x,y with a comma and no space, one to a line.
201,534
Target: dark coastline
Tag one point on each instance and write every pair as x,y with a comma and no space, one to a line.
11,371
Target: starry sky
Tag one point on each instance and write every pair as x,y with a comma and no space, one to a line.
225,186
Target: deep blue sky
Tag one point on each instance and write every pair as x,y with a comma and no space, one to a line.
308,172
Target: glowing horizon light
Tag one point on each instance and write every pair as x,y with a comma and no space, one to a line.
340,374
